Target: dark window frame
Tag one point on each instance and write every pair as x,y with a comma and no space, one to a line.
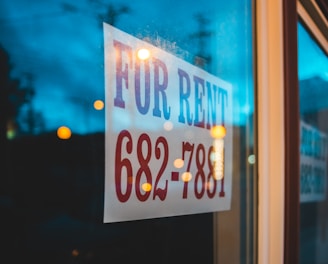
292,210
292,118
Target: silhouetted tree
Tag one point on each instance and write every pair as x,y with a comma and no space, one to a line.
30,121
12,95
12,98
9,103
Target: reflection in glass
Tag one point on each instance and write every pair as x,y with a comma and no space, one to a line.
98,104
143,54
186,176
313,91
52,74
178,163
64,132
218,132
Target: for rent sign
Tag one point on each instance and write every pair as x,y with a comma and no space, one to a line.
168,133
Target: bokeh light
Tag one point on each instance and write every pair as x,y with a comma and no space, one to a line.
218,132
186,176
146,187
98,104
143,54
75,253
251,159
64,132
178,163
168,125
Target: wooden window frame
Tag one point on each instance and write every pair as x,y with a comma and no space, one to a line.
315,19
278,120
292,134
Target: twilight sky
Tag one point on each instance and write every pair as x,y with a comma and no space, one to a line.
59,44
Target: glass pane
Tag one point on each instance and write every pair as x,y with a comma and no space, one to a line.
53,131
313,85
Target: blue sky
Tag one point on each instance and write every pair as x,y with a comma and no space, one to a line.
63,56
311,59
60,44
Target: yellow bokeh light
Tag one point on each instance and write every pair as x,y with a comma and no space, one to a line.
146,187
178,163
186,176
218,132
143,54
64,132
98,104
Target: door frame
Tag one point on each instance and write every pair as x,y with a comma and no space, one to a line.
278,120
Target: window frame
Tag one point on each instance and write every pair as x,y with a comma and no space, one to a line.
278,116
270,130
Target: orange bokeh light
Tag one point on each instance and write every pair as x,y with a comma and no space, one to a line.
64,132
98,104
218,132
146,187
186,176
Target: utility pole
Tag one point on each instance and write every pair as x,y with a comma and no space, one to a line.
112,14
202,59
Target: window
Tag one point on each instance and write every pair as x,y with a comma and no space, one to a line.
313,83
53,133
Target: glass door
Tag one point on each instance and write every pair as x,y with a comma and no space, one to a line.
89,131
313,98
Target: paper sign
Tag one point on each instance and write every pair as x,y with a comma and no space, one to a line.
168,133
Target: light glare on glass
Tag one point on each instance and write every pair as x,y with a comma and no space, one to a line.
251,159
64,132
168,125
146,187
98,104
218,132
186,176
178,163
218,159
143,54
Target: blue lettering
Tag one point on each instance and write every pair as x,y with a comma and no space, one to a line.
160,88
122,72
143,109
184,95
211,105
